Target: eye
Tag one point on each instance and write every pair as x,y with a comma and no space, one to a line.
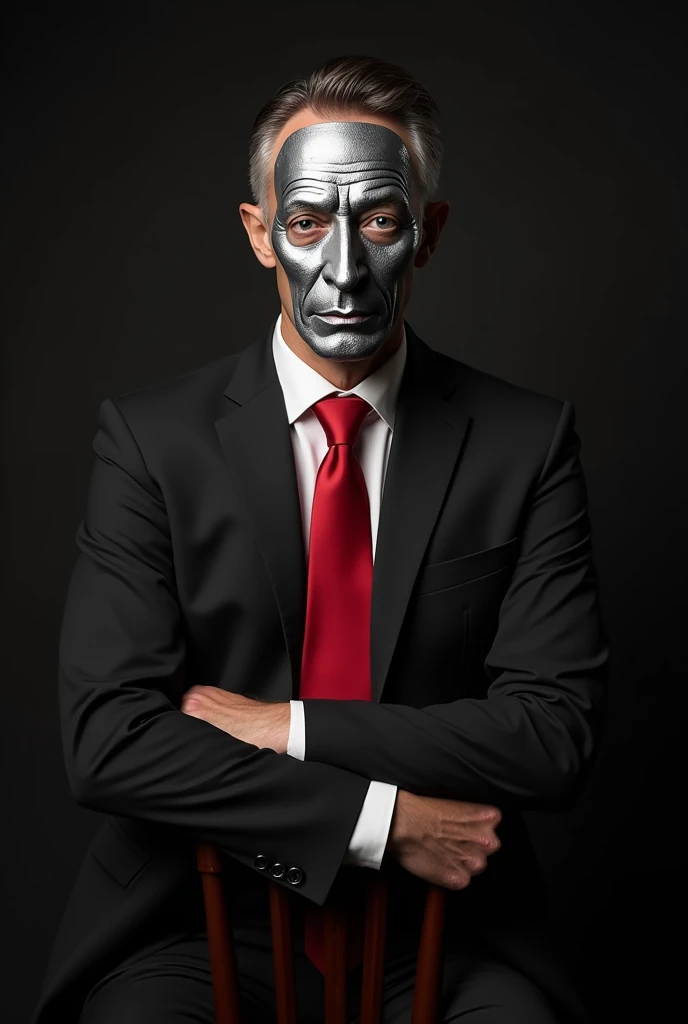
382,227
305,230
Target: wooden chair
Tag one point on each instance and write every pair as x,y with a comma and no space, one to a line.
223,961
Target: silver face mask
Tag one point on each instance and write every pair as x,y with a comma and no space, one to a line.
343,265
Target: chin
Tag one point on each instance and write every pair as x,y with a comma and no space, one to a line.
346,345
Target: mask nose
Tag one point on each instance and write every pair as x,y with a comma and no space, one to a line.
344,257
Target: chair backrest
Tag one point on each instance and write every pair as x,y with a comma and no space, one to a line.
223,960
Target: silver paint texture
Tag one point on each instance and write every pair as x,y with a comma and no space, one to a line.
339,171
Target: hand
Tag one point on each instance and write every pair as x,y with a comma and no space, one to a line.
263,723
442,841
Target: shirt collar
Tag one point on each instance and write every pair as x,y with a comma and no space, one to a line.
303,386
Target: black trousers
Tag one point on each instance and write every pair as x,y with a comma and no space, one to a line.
166,980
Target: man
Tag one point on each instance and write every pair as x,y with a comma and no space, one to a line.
335,611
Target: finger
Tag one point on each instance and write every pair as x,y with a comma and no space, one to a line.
193,710
476,845
491,814
488,841
475,864
210,693
205,715
470,850
484,842
472,832
484,813
458,877
465,853
469,827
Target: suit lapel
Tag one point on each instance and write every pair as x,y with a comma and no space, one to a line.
428,436
256,441
427,441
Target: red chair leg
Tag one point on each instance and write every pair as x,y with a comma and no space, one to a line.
220,945
429,969
283,962
334,923
374,950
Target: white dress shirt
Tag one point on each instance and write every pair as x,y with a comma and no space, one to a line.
303,387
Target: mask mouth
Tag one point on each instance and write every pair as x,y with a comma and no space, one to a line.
341,316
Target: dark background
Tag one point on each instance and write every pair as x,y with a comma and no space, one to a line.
127,130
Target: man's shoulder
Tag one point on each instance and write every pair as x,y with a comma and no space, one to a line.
196,395
482,393
196,382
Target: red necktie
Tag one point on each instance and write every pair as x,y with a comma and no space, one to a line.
336,649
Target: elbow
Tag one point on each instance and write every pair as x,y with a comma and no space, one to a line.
82,786
87,784
96,770
566,740
92,796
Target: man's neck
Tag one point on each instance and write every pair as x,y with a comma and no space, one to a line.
345,375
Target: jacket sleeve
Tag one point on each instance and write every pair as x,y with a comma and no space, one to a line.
128,748
528,743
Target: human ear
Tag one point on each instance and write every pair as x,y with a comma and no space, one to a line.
434,219
258,235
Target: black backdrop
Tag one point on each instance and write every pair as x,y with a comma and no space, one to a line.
559,270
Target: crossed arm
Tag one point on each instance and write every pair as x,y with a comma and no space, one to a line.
280,727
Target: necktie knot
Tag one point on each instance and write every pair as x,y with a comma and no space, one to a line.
341,418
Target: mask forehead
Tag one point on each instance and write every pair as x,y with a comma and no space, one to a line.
342,153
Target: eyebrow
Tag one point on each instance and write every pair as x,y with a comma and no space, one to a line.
371,193
322,197
325,198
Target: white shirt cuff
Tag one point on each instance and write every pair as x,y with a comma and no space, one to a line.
369,837
296,744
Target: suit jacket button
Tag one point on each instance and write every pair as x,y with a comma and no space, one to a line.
295,876
260,862
277,870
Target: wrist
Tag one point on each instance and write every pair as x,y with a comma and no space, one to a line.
283,723
399,825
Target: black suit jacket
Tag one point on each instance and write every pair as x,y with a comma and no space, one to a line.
488,654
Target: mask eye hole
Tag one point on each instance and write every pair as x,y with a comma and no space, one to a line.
382,228
305,229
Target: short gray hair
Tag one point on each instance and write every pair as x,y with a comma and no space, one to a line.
358,84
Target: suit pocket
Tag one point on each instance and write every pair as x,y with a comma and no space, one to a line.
456,571
117,855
